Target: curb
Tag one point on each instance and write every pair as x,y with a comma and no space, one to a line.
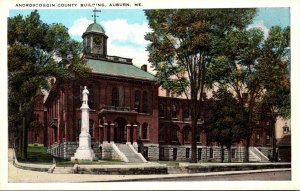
24,166
198,175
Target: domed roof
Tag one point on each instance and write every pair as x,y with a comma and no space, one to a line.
95,27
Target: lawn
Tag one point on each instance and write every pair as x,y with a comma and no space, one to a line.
37,154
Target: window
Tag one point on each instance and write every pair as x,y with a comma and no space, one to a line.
161,153
174,153
174,110
145,131
161,110
199,153
145,102
211,153
174,134
138,131
137,100
161,134
186,113
187,152
198,137
36,137
121,96
186,134
91,96
286,129
91,127
268,139
258,138
115,97
233,153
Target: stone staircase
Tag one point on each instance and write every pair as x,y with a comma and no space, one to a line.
256,156
131,155
62,170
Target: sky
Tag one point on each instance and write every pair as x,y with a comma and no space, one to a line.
126,27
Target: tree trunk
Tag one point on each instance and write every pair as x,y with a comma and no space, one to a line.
229,153
194,125
194,142
222,153
20,140
246,156
274,158
24,139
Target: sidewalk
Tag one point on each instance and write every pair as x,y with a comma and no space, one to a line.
18,175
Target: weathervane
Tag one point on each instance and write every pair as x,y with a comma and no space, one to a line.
95,10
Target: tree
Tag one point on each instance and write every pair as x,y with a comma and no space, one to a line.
234,68
36,52
274,74
246,67
182,44
224,121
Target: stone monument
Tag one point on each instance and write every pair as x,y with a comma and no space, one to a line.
84,151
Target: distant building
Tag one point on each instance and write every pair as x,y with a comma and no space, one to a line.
284,145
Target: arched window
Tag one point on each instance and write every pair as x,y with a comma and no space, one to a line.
145,131
115,97
137,100
145,102
161,110
121,96
174,110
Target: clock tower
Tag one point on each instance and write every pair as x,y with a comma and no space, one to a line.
95,40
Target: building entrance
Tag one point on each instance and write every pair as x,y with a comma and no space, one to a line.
120,131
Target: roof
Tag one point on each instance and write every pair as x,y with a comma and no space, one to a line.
285,141
119,69
95,27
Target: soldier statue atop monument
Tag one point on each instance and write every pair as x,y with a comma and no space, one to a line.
85,94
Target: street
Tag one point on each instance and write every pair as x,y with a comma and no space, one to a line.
269,176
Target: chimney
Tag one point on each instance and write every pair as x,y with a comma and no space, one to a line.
144,67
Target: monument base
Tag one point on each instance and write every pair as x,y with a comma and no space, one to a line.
84,151
84,154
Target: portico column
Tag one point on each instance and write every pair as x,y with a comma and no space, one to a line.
112,129
100,134
135,134
105,126
128,133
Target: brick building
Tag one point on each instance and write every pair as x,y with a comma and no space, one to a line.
126,109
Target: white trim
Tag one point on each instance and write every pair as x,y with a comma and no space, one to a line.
139,154
115,148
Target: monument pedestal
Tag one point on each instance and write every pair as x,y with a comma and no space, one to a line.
84,151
